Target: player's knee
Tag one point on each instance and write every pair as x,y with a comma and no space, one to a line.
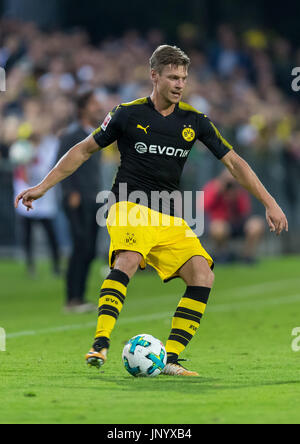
210,279
128,262
203,278
199,273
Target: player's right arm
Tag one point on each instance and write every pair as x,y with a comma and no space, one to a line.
111,130
67,165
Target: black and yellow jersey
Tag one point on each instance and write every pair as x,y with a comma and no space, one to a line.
154,148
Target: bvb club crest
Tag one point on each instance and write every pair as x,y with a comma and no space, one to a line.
130,239
188,134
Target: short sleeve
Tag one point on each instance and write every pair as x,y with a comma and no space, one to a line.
112,128
211,137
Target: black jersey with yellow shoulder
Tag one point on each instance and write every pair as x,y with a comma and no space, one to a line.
154,148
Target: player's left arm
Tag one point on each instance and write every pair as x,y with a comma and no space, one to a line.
244,174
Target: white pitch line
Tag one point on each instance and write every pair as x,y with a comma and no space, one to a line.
50,330
150,317
263,287
217,308
259,290
250,290
253,305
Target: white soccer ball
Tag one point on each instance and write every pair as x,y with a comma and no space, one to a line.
145,356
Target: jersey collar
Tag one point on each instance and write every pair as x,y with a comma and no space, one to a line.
151,104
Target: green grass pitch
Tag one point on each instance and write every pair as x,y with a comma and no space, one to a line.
248,370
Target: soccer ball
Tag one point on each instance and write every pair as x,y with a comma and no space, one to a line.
145,356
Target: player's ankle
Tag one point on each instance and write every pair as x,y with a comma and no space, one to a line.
101,343
172,357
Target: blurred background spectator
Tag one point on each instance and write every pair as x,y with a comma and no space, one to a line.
41,149
79,201
240,76
228,210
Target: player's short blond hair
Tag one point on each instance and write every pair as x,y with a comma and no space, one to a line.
168,55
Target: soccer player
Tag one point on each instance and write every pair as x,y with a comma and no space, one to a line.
155,136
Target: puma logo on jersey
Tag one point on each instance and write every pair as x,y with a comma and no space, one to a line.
144,129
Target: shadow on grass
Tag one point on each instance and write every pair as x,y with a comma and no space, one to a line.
180,384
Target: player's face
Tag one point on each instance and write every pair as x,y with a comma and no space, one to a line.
170,83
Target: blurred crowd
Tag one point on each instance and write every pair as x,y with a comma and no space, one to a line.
242,81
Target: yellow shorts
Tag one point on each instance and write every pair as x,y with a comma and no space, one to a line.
165,242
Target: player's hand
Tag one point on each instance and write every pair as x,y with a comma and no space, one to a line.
276,219
28,196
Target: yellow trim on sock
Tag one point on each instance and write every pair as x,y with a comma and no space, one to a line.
105,326
185,324
174,347
106,323
112,301
115,285
192,305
